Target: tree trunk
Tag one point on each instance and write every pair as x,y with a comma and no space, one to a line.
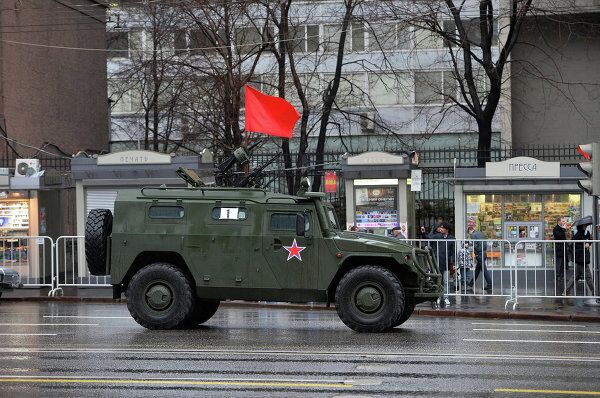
484,144
330,94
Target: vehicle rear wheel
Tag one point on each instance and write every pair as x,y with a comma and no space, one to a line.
203,310
409,308
160,296
369,299
98,227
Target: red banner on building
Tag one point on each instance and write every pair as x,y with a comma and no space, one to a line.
330,182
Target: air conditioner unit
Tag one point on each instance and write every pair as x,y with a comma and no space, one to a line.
26,167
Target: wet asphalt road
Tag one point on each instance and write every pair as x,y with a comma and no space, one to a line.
97,350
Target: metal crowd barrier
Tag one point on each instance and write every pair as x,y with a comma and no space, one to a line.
481,266
525,269
71,269
31,256
556,269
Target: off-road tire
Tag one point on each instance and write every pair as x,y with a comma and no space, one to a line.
369,299
98,228
202,311
160,296
409,308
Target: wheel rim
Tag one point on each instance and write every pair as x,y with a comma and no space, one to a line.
369,298
159,296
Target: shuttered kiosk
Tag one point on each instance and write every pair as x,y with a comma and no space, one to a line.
98,179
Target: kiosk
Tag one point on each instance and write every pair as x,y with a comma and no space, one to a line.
378,196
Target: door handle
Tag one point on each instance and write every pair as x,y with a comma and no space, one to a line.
277,244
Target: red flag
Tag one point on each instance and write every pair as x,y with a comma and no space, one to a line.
269,115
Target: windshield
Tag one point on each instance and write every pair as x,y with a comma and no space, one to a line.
332,218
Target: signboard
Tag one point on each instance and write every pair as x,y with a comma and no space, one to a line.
374,158
376,207
523,167
134,157
330,182
416,177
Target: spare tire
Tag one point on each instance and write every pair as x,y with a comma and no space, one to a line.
98,228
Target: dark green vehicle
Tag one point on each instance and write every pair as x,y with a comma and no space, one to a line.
177,252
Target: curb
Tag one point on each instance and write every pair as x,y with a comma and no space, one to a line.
444,313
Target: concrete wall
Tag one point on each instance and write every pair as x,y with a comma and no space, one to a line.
53,95
556,81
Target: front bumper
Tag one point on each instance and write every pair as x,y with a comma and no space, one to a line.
430,278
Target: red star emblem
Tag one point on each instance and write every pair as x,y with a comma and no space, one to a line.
294,251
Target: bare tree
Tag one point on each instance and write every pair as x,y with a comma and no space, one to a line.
227,42
148,82
478,64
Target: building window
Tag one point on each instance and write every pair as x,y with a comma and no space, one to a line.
355,37
118,44
390,36
390,88
426,39
560,205
434,87
125,97
306,38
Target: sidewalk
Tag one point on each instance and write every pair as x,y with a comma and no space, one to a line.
469,307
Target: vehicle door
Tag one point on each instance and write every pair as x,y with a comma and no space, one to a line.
292,259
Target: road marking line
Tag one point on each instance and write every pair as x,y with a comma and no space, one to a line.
527,324
536,331
528,391
27,334
246,383
370,355
531,341
87,317
49,324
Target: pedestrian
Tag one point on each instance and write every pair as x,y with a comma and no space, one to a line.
354,228
398,233
561,255
444,251
480,257
581,258
465,265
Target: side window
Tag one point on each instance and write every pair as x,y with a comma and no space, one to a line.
229,213
165,212
286,222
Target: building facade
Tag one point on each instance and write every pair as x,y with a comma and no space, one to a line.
52,93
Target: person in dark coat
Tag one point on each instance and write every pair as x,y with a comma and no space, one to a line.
444,253
480,265
561,254
581,258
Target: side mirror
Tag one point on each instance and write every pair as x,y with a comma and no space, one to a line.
300,225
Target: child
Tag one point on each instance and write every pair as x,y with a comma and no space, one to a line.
465,264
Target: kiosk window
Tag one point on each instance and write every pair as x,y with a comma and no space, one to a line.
229,213
165,212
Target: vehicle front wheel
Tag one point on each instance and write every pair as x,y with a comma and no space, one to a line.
160,296
369,299
409,308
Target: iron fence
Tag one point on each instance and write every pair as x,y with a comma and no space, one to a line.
436,199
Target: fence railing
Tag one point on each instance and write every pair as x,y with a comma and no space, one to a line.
470,267
71,269
31,256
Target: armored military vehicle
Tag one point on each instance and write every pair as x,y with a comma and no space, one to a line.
178,252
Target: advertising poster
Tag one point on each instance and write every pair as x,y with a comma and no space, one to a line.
376,207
